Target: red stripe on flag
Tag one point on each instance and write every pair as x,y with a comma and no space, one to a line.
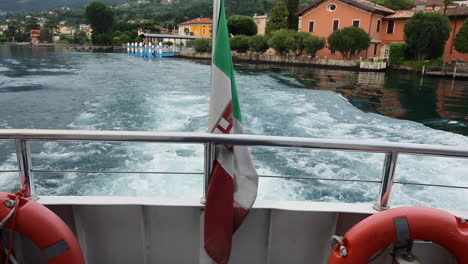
222,215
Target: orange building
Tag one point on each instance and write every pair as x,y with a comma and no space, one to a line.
384,25
34,36
457,17
198,27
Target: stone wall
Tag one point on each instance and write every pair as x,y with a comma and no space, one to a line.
275,59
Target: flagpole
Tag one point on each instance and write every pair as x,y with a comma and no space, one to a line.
209,147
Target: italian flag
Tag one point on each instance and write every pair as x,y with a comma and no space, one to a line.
233,186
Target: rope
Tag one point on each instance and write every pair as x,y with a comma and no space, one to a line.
12,215
339,240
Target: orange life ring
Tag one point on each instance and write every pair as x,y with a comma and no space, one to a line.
44,228
416,223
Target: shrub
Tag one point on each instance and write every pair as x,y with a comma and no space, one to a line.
202,45
258,43
349,41
168,43
283,40
312,44
124,39
242,25
240,43
396,53
461,39
116,41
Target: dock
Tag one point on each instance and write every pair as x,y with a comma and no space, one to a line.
453,71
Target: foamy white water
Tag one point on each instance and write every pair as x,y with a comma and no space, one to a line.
116,92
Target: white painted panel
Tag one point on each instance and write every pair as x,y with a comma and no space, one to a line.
65,212
250,242
110,234
300,237
172,234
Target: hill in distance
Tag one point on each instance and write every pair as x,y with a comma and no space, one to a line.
38,5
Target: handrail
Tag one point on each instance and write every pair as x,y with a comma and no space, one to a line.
390,149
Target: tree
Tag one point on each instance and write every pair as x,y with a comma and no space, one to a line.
312,44
349,41
241,25
79,38
278,18
300,37
202,45
12,30
426,34
258,43
293,19
461,39
446,4
283,40
124,38
395,4
31,23
101,18
240,43
116,41
46,35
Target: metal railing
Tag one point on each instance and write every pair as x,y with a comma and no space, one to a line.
391,151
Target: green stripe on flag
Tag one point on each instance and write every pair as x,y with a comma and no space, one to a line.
223,60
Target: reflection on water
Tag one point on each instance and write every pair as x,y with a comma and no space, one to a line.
440,103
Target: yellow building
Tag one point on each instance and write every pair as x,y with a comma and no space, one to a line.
198,27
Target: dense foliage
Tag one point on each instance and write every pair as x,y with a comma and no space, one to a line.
258,44
312,44
395,4
36,5
293,19
278,18
425,35
349,41
101,19
241,25
283,41
240,43
461,39
396,53
202,45
79,38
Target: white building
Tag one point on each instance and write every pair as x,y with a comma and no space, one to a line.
261,22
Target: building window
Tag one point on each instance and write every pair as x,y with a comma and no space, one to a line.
336,24
377,29
356,23
390,26
331,7
311,26
375,49
204,31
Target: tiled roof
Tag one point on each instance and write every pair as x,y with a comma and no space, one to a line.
459,11
401,14
361,4
200,20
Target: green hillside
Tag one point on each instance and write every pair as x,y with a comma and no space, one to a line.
38,5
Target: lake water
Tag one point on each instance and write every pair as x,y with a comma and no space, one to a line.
51,88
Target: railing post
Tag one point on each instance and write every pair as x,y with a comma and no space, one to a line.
208,167
387,181
24,163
